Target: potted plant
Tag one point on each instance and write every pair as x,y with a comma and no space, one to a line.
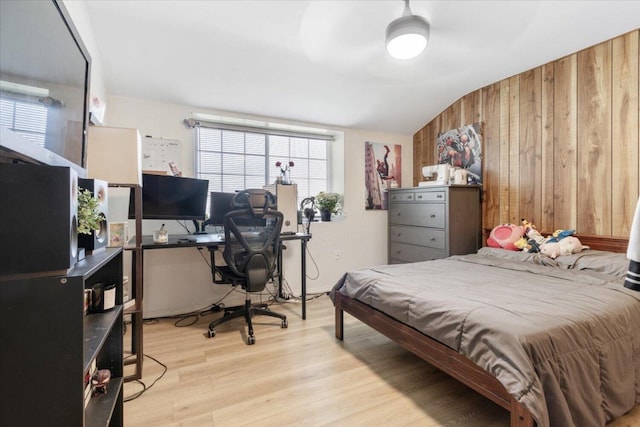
328,203
89,216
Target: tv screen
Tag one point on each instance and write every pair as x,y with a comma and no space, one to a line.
44,81
172,197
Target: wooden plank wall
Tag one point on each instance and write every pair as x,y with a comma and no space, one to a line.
560,142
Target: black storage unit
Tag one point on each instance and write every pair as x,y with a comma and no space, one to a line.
49,344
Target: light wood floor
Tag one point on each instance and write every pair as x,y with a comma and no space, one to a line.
299,376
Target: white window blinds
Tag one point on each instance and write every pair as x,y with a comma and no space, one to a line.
24,118
237,159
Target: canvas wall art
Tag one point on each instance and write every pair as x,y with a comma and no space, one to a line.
383,170
462,148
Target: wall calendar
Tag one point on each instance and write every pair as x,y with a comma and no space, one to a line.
161,155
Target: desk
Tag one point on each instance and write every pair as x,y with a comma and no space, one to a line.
212,241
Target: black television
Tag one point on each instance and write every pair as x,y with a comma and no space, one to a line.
171,197
44,85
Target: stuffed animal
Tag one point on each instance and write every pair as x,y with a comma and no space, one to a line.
534,238
559,235
533,246
505,236
567,246
527,225
522,244
532,233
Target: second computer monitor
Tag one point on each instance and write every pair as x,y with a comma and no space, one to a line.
220,204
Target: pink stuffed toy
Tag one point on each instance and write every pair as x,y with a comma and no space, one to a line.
505,236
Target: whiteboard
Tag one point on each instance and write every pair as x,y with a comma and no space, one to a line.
158,153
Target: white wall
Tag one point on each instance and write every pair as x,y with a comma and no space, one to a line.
179,280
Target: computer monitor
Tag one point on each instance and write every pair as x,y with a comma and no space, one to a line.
172,197
220,204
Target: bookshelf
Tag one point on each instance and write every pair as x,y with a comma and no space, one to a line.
49,345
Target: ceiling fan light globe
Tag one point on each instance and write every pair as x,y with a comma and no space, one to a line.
407,36
406,46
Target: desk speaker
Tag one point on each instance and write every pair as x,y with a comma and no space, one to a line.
99,237
38,213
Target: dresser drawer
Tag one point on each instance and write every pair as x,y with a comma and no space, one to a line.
403,252
401,196
431,196
431,237
425,215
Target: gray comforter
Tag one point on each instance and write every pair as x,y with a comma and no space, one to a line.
564,341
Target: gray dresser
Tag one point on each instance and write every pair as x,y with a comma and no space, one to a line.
434,222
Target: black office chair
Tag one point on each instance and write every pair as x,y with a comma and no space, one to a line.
252,240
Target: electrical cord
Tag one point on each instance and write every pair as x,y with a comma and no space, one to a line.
314,264
144,386
195,315
211,308
287,293
184,225
314,296
206,259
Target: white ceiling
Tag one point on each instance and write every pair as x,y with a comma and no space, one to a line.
325,62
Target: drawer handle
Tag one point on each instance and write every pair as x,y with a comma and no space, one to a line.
433,239
439,196
432,215
419,197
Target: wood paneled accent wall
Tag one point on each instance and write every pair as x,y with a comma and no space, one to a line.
560,141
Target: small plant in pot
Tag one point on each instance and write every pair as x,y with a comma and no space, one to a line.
328,203
89,215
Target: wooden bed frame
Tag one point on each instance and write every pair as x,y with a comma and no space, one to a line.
443,357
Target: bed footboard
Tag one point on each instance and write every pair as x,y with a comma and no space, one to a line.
437,354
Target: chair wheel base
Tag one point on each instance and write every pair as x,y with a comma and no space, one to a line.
251,340
285,324
211,333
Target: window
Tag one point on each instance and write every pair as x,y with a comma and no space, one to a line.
28,119
236,159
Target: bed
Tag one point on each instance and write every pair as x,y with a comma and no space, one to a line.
555,342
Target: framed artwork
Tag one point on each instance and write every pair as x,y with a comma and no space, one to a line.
462,148
382,168
118,234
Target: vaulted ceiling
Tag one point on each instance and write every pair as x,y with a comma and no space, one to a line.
325,62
